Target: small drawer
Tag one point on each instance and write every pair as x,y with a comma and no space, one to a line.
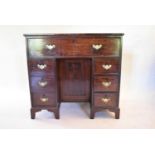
106,83
41,67
106,65
105,99
98,46
50,47
42,84
43,99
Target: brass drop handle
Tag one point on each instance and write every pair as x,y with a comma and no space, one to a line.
42,83
105,99
50,47
44,99
41,66
106,66
97,46
106,84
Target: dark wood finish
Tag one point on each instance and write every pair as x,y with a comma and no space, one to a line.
47,66
106,83
74,68
110,46
74,79
110,99
114,62
36,109
36,99
63,46
42,84
73,35
73,46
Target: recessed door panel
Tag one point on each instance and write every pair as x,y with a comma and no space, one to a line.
74,79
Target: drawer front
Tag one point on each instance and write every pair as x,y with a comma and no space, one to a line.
106,65
41,67
42,84
105,99
79,46
50,47
98,46
106,83
43,99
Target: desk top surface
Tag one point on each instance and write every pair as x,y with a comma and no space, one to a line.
75,35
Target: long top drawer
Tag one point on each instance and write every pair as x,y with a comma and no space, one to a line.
74,45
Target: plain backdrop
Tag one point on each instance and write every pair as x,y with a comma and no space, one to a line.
137,85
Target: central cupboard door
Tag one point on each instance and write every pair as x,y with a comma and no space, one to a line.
74,79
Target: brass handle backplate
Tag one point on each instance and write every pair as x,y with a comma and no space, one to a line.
41,66
44,99
106,66
106,84
50,47
105,100
97,46
42,83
